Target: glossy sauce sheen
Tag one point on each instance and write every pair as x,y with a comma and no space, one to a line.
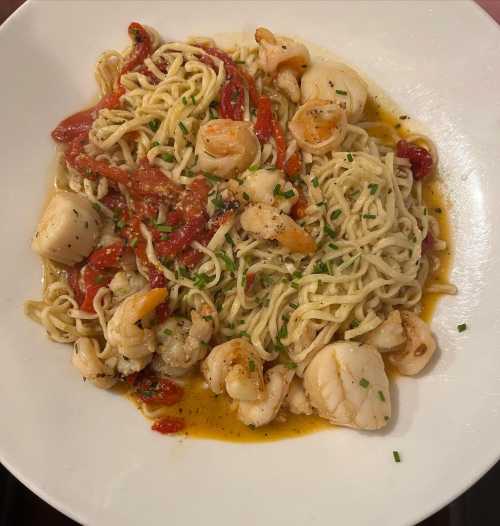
211,416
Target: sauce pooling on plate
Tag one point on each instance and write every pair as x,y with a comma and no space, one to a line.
242,239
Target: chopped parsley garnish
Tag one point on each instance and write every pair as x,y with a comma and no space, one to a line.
354,324
315,182
193,100
279,347
251,365
340,92
96,206
99,279
183,128
239,62
246,196
294,306
330,232
335,214
208,318
212,112
167,332
253,168
333,246
244,334
320,268
165,228
279,193
154,124
154,144
462,327
291,365
364,383
200,280
283,332
133,242
373,188
297,274
350,157
397,456
228,262
184,101
211,177
381,396
369,216
217,201
168,157
294,285
229,239
184,272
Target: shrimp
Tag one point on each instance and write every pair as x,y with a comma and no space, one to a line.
267,222
130,340
388,334
346,383
296,399
285,58
338,83
235,367
419,347
85,359
261,186
261,412
182,343
319,126
225,147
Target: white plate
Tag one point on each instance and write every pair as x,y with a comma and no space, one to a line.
90,454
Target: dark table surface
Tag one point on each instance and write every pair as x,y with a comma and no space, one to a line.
476,507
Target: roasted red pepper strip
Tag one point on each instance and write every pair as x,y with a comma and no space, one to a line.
106,257
420,159
232,99
299,208
81,122
264,124
279,138
293,165
142,47
169,425
93,280
155,390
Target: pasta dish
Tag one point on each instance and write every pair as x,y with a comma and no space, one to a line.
239,214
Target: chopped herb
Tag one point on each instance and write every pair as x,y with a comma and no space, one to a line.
228,262
294,306
340,92
335,214
154,144
244,334
165,228
200,280
373,188
240,62
217,201
279,193
183,128
279,347
167,332
253,168
330,232
229,239
369,216
188,173
277,190
320,268
120,224
297,274
246,196
184,101
208,318
364,383
211,177
349,157
133,242
397,456
291,365
168,157
251,366
283,332
294,285
355,194
193,100
154,124
354,324
381,396
96,206
184,272
100,279
315,182
333,246
212,113
462,327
